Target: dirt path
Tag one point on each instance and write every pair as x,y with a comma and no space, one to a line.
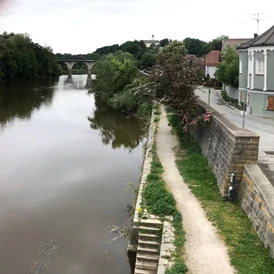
205,252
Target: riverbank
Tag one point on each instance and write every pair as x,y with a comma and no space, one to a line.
156,204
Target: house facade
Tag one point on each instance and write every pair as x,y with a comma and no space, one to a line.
212,59
256,74
233,43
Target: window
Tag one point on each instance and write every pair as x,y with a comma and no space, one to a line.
270,103
241,96
259,69
241,66
248,99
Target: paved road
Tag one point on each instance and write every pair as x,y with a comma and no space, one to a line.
260,125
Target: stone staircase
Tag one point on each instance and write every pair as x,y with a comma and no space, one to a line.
149,243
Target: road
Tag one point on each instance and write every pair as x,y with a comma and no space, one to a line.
260,125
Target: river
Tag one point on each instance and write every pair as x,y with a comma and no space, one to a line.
67,173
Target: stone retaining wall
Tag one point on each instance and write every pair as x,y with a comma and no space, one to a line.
257,199
227,147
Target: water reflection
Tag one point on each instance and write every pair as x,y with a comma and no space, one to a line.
75,82
21,102
116,128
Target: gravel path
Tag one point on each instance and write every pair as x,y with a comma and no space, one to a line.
205,252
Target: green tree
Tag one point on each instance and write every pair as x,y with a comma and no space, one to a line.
136,48
113,73
216,44
228,71
147,60
164,42
195,46
20,58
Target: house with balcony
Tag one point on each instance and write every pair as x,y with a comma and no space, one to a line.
256,74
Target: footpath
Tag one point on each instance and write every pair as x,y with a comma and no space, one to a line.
205,252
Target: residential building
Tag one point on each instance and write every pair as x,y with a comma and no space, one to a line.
256,71
234,42
152,41
212,59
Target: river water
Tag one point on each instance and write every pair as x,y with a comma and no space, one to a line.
65,172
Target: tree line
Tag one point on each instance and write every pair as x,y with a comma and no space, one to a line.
21,58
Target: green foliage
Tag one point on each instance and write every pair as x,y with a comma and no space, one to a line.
107,49
125,102
247,252
228,71
164,42
20,58
113,73
177,268
195,46
120,85
147,60
159,201
136,48
229,99
216,44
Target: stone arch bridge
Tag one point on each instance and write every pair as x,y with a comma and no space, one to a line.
71,62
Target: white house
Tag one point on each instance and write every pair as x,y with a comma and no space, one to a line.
212,59
256,71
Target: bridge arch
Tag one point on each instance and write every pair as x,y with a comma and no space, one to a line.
71,63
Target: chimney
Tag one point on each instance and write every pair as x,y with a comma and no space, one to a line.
255,35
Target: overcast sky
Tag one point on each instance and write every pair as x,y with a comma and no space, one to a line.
81,26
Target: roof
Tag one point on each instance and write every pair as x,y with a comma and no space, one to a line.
151,41
212,58
265,39
234,42
194,58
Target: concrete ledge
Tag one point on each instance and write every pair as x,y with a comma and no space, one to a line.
167,247
257,199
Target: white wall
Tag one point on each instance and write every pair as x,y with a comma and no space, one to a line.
210,70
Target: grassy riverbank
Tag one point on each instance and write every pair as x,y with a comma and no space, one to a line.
159,201
246,251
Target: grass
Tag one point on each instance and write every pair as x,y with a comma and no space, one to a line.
247,253
159,201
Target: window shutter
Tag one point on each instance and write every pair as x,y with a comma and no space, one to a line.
270,103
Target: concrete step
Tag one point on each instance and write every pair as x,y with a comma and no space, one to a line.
149,228
151,222
146,265
149,237
146,250
147,257
144,271
148,243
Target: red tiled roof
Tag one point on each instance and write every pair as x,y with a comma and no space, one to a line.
234,42
212,58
